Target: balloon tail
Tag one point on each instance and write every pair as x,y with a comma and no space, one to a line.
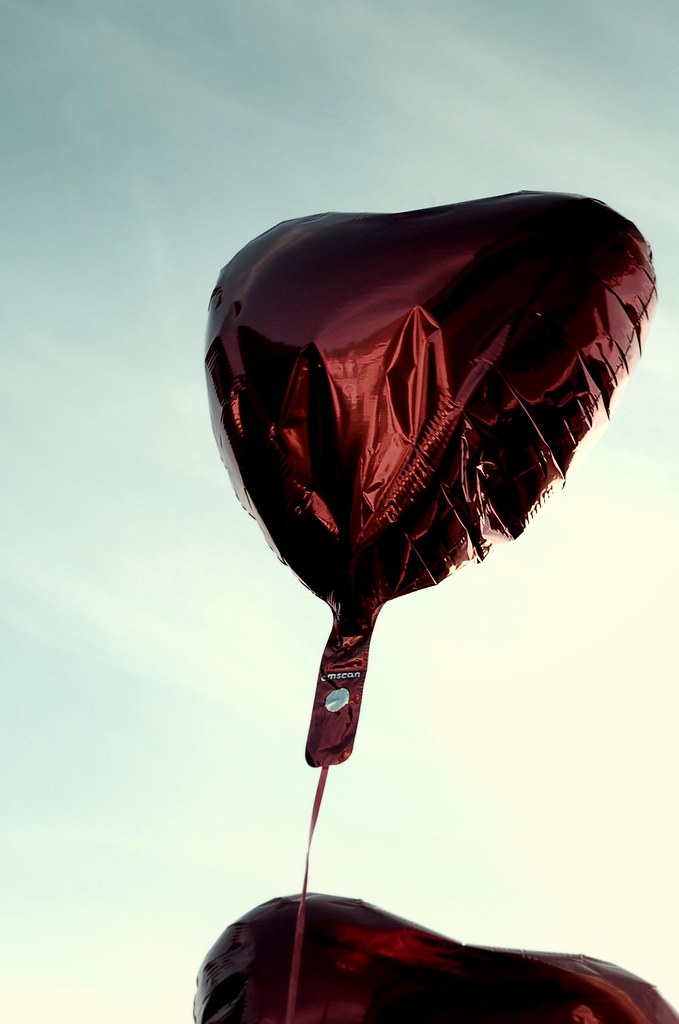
337,701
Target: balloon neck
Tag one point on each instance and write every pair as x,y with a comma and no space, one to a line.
339,691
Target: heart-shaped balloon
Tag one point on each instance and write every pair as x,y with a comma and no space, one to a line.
394,394
360,964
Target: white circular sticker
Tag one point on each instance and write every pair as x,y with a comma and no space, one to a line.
337,700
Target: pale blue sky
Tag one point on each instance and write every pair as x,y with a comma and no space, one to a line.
516,770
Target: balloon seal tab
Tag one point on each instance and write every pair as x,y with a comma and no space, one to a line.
337,702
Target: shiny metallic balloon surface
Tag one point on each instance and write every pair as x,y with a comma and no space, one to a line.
361,965
394,394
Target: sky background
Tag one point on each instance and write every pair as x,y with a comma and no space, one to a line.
515,777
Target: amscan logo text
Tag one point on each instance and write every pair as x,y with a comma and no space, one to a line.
340,675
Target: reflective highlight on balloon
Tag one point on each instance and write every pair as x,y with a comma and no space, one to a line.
395,394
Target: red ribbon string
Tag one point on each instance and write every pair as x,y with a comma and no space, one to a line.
301,912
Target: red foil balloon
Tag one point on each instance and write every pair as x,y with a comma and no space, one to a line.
363,966
394,394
